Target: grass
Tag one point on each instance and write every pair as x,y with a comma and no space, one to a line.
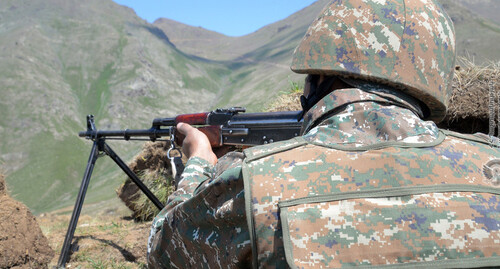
295,87
87,260
103,241
56,158
53,158
289,99
58,167
159,182
470,89
98,95
208,79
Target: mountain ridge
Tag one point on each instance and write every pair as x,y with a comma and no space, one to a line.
241,45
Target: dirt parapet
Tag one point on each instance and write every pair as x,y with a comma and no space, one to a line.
22,243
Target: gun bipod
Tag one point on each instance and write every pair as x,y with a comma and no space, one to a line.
100,146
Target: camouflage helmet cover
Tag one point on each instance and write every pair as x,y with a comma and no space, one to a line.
409,45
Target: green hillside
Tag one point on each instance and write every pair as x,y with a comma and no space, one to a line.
64,59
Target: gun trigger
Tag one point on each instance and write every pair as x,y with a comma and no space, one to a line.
172,145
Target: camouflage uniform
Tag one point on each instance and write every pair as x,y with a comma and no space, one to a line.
204,223
369,182
372,185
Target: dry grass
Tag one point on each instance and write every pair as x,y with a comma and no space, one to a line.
468,109
471,89
288,100
153,168
160,185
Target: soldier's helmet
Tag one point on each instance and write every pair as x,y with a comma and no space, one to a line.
409,45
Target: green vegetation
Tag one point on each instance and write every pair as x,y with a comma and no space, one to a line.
295,87
287,99
159,182
99,93
52,159
192,79
62,164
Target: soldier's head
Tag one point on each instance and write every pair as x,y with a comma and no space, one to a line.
407,45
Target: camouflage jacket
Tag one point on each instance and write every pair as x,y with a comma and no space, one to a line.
369,183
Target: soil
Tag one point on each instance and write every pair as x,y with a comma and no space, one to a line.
22,243
104,240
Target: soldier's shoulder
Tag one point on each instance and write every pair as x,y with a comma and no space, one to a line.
258,152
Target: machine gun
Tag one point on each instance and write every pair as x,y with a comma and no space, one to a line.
223,127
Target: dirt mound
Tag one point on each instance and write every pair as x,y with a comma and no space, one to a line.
154,169
22,244
286,102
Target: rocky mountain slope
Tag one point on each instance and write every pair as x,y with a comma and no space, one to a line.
63,59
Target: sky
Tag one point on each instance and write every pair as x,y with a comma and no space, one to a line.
229,17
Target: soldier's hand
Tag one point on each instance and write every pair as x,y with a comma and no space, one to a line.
196,143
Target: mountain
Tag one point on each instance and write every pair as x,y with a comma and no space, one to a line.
63,59
260,61
211,45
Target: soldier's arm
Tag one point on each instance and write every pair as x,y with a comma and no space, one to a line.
199,167
208,206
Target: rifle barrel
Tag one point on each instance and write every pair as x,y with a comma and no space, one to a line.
150,133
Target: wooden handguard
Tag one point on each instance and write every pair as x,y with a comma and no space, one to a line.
212,132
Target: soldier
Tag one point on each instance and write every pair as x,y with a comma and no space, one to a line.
372,180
